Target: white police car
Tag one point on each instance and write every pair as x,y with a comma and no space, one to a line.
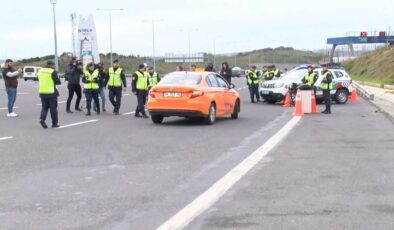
275,90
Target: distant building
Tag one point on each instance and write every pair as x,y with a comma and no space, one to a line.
184,58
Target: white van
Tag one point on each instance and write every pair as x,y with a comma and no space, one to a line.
30,72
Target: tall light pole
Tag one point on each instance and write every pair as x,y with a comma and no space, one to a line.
189,41
53,2
153,39
110,27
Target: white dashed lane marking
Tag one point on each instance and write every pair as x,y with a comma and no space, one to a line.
5,138
79,123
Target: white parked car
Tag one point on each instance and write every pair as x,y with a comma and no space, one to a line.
30,72
276,90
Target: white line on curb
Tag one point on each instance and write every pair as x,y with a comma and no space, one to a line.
79,123
216,191
5,138
129,113
5,108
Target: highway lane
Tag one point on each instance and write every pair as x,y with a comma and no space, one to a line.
118,172
332,173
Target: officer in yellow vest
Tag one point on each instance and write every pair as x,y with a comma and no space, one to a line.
91,87
140,86
153,77
47,81
276,72
310,78
253,83
327,85
116,81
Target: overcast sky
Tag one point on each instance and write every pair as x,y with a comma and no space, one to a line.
236,25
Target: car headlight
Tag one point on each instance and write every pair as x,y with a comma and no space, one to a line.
279,85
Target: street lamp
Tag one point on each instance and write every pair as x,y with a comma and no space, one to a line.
153,39
110,27
53,2
188,36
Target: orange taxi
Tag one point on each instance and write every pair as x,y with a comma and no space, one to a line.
193,94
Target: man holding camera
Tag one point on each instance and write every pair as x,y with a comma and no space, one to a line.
73,76
10,76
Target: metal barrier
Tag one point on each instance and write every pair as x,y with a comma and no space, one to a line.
363,92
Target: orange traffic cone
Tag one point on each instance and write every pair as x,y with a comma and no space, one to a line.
353,96
313,103
287,100
298,106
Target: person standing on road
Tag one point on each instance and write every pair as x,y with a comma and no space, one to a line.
153,77
327,85
10,76
139,86
226,72
73,74
47,81
91,87
253,84
276,72
210,68
102,78
116,82
310,78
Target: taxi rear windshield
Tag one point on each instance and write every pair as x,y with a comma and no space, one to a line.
182,78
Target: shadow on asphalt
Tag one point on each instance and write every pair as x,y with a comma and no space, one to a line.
194,121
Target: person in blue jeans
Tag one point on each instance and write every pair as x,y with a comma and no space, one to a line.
101,81
10,76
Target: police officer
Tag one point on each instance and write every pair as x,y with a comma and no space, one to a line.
327,85
310,78
264,73
153,77
276,72
253,84
116,79
140,84
270,73
47,81
91,87
101,81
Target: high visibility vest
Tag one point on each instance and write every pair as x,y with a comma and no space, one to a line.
324,85
90,77
271,75
142,81
265,75
276,74
252,80
153,79
45,81
114,77
310,78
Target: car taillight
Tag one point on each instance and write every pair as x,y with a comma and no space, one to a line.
197,93
152,93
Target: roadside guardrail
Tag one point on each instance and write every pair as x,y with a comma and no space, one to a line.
361,91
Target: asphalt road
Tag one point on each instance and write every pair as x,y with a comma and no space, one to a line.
119,172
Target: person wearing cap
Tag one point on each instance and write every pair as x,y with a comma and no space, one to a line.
310,78
153,77
116,82
140,85
10,76
253,83
91,87
327,85
47,81
73,74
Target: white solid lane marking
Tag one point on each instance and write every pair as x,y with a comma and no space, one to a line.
22,93
5,138
216,191
5,108
79,123
129,113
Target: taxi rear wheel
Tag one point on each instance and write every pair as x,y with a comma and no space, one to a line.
211,115
234,115
157,119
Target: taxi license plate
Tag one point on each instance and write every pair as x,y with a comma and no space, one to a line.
172,94
265,92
